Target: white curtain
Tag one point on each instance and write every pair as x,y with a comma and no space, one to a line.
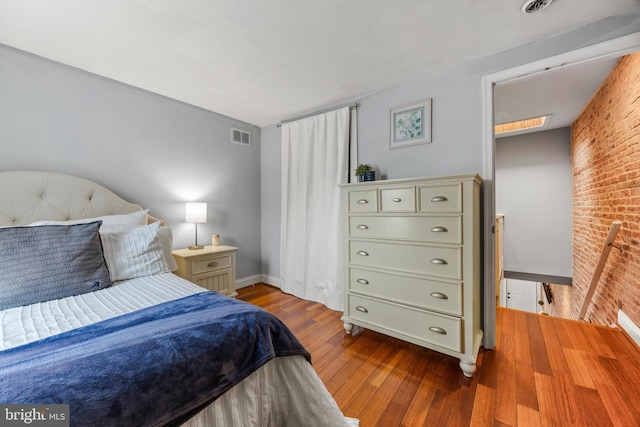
315,159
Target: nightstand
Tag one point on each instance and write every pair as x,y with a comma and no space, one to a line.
213,267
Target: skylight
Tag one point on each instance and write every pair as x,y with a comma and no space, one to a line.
521,125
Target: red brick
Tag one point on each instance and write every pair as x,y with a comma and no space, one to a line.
606,180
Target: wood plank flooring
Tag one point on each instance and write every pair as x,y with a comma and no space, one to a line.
544,372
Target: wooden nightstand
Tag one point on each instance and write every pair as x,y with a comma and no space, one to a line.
213,267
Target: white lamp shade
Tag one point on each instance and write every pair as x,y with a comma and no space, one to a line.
196,212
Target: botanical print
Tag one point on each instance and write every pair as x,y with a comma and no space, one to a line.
409,125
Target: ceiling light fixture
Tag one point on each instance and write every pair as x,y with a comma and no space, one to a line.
534,122
531,6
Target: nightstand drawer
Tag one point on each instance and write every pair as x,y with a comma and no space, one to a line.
207,264
410,290
221,281
435,229
437,329
431,260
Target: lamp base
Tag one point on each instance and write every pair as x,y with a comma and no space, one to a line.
194,247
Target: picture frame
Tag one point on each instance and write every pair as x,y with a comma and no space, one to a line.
410,124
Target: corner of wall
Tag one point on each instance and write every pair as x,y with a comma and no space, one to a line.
269,280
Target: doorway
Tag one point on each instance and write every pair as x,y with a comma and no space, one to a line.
612,48
522,295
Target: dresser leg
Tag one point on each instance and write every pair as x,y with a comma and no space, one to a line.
348,327
468,368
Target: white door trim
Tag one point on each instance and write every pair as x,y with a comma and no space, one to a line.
609,49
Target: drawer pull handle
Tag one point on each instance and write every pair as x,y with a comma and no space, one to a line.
438,261
363,281
439,229
212,264
363,227
363,309
397,199
439,199
439,295
437,330
362,253
362,202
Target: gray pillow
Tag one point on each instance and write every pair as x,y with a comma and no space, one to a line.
49,262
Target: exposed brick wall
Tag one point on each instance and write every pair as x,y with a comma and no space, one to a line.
606,180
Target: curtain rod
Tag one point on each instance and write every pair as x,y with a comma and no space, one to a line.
351,106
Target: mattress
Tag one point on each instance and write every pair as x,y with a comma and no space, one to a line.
25,324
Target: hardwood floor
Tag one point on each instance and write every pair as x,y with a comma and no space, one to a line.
545,371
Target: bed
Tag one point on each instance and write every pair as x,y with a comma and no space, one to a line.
91,316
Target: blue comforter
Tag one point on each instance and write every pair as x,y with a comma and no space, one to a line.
156,366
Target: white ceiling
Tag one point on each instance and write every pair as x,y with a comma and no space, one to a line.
561,93
263,61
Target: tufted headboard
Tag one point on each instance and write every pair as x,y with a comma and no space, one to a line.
29,196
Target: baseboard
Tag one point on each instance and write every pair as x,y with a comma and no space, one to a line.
257,278
269,280
629,327
248,281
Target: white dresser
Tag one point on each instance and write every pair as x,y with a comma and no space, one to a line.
413,262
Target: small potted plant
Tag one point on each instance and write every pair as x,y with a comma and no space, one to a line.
365,172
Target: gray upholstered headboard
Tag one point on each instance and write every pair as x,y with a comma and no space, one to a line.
29,196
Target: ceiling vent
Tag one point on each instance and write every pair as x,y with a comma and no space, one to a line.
531,6
240,136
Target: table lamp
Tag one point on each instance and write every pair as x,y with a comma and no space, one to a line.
196,212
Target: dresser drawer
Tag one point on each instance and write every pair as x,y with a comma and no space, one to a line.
398,199
437,329
440,198
363,201
436,229
207,264
431,260
416,291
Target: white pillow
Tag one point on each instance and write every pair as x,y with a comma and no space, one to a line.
166,241
134,218
133,252
164,234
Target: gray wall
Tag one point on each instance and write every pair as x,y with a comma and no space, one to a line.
270,185
148,149
457,121
534,192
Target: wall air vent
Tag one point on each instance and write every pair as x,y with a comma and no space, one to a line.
532,6
240,136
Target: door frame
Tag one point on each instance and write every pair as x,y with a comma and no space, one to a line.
609,49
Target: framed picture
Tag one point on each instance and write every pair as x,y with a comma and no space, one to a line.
410,124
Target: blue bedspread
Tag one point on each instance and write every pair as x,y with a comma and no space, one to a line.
156,366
